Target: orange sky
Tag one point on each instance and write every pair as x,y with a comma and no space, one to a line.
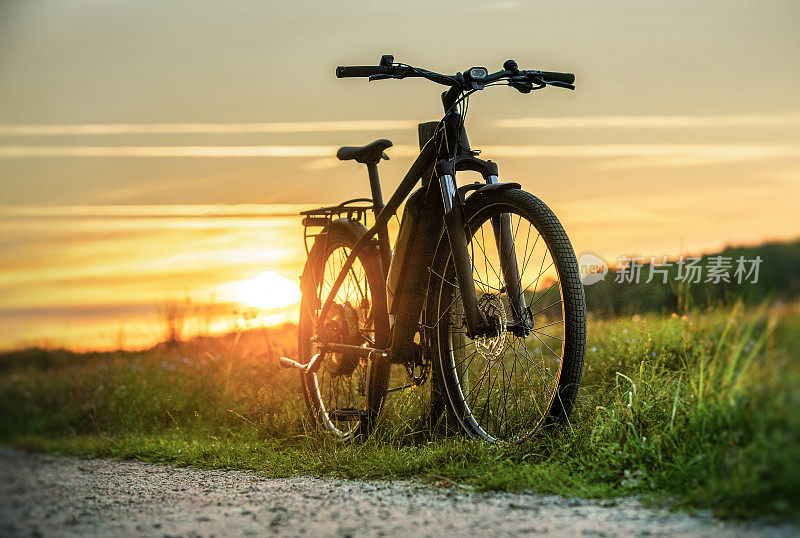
131,133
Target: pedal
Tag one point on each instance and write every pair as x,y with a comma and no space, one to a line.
286,363
345,414
312,366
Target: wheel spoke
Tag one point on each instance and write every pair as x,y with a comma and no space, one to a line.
337,387
504,390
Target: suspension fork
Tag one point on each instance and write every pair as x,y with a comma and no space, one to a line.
477,324
504,239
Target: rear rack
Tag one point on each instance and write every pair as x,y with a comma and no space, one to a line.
323,216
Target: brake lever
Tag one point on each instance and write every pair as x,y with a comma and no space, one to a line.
525,83
561,85
379,77
522,86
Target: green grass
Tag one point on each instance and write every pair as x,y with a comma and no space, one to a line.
701,412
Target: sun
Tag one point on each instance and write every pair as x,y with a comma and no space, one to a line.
267,291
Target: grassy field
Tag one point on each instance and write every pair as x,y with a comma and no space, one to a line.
699,411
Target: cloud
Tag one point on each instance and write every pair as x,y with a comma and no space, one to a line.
614,155
205,128
159,211
654,122
321,164
167,151
653,155
558,122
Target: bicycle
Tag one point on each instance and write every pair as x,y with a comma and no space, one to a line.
502,335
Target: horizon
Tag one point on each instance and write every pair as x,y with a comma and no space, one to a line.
110,305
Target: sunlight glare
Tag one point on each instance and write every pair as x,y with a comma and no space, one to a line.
267,291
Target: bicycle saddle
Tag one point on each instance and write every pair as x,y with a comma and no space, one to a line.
369,154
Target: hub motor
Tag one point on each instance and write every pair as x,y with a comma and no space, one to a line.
341,328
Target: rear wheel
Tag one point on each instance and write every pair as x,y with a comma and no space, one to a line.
345,394
506,387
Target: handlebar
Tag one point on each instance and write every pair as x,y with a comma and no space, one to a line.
359,71
471,79
553,76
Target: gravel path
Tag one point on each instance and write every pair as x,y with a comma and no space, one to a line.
56,496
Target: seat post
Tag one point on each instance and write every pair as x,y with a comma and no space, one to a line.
377,203
375,186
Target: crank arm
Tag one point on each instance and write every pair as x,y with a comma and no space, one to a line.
360,351
316,361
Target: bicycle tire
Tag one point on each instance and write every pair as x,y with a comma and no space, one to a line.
375,371
477,211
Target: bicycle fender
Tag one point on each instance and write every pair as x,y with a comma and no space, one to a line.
369,254
494,187
351,227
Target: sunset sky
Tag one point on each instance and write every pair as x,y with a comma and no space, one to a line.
144,145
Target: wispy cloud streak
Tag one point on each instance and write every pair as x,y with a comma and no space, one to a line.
791,119
654,155
620,155
559,122
205,128
167,151
178,211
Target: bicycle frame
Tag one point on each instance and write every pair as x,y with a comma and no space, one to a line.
444,153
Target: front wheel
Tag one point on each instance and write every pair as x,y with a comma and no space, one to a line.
506,387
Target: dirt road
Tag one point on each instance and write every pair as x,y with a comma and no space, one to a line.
56,496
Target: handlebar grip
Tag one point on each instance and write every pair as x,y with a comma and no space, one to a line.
551,76
344,71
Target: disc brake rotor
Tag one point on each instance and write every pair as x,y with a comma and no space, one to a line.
492,347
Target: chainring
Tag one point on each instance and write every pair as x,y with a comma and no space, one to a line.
420,364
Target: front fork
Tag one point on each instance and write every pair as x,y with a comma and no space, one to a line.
508,266
477,323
